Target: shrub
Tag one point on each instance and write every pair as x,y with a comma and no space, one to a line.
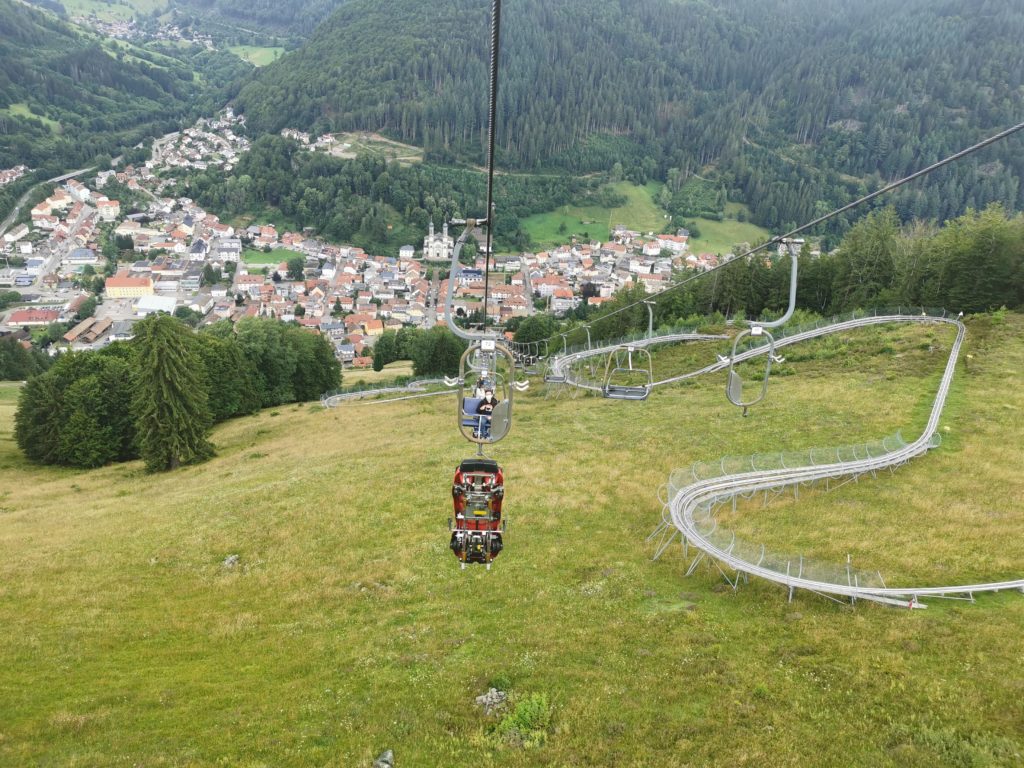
528,723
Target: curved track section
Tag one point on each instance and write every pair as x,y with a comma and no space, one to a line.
566,365
410,391
690,502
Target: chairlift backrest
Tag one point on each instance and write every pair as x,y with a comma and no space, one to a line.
628,360
734,383
501,420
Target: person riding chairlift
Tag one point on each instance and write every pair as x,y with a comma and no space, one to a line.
485,409
481,386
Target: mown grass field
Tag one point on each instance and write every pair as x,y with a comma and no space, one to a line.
258,56
719,237
370,376
257,258
346,628
640,213
109,11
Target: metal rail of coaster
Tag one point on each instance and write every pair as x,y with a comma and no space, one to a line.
417,387
690,498
561,367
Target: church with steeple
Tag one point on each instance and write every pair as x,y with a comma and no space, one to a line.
438,247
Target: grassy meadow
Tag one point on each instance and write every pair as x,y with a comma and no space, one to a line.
383,377
111,11
356,143
258,56
346,627
21,109
254,257
719,237
640,212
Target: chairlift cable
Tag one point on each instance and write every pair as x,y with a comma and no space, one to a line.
821,219
491,130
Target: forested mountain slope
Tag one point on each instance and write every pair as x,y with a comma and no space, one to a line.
67,95
797,103
284,17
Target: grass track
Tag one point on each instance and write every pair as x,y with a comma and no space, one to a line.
346,628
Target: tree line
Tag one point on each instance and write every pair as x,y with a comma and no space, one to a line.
157,396
434,352
975,263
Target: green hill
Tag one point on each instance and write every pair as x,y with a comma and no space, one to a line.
794,105
68,95
345,627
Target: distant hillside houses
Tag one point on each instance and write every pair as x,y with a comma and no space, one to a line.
10,175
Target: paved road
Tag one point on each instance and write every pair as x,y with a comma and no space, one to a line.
431,312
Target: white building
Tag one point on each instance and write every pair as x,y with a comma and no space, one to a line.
148,305
16,234
438,247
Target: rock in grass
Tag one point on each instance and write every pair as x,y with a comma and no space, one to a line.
492,701
385,760
231,561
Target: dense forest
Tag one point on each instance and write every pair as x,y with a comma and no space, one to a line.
376,205
293,18
67,97
792,107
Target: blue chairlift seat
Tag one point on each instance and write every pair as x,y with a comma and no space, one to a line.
470,418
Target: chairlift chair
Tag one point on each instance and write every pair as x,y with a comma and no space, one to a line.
734,387
734,383
622,370
500,377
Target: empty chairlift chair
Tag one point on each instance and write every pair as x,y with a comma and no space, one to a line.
628,374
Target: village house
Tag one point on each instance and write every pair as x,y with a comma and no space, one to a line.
33,317
123,286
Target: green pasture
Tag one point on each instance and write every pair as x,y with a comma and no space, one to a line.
255,257
21,110
719,237
109,11
256,55
640,213
345,627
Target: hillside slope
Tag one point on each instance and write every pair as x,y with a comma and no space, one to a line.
346,628
798,92
68,94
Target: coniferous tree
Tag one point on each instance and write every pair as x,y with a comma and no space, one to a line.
172,417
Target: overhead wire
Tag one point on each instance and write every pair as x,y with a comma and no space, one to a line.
821,219
491,131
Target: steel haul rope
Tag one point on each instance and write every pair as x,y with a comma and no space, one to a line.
491,130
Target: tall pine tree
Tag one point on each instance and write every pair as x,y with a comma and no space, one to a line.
172,417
